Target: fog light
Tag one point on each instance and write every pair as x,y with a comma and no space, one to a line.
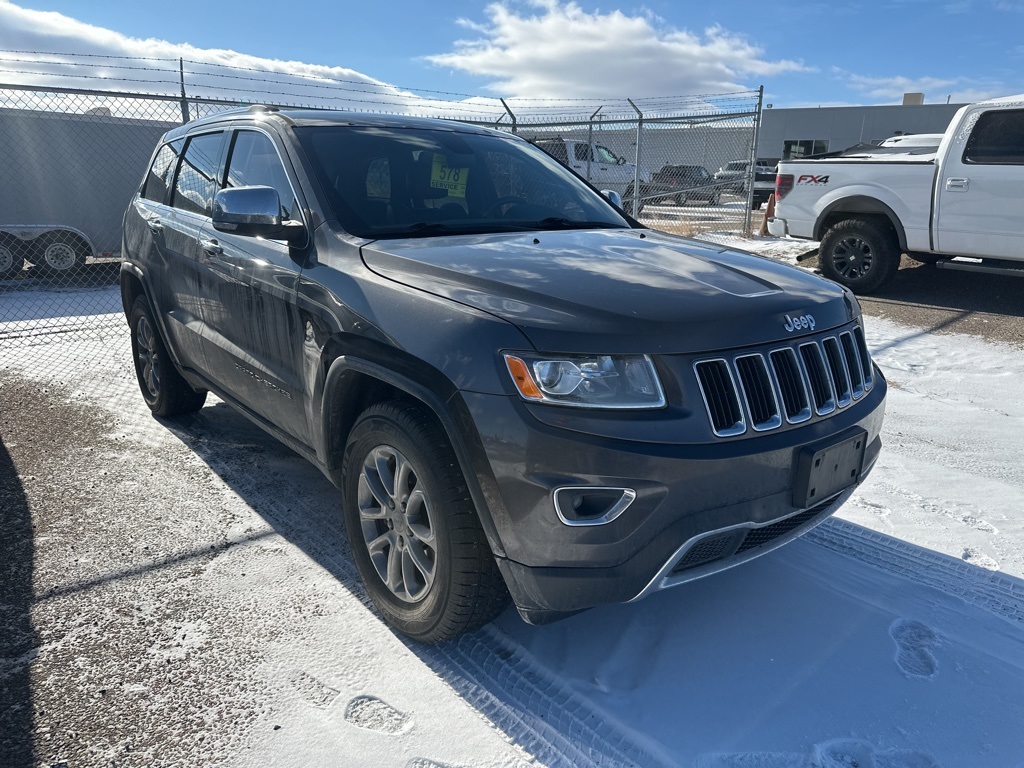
591,505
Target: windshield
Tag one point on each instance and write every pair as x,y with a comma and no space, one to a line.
384,182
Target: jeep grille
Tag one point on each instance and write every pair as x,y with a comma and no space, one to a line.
788,385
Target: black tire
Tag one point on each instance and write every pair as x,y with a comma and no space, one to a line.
418,544
860,254
12,258
60,253
163,388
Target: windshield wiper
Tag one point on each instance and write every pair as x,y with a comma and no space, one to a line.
558,222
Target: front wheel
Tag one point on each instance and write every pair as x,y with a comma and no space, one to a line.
163,388
860,254
413,528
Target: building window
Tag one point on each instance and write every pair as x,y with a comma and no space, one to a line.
794,150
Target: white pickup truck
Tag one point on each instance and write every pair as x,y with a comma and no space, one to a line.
597,164
962,199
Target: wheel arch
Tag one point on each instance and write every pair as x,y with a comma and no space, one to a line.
859,206
354,382
132,286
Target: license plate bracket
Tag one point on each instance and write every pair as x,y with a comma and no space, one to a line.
823,469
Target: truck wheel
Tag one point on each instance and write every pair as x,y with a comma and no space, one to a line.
11,258
860,254
414,531
163,388
61,253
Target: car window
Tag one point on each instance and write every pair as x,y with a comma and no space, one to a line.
556,149
393,182
254,162
997,139
582,152
196,181
605,155
160,174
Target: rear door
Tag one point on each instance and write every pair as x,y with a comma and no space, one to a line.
981,188
254,334
164,227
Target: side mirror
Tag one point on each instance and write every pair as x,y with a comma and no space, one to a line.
613,197
253,212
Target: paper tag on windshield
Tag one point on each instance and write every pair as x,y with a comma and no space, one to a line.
448,178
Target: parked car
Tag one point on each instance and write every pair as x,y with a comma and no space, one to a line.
935,202
680,185
517,389
734,176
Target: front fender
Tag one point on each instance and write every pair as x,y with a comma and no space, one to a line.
448,408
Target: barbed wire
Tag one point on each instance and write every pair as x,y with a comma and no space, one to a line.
334,84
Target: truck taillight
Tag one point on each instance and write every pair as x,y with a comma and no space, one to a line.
783,183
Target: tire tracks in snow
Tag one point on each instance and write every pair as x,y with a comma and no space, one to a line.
517,694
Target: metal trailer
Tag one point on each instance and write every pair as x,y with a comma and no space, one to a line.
65,180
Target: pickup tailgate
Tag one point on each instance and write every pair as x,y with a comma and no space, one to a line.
808,192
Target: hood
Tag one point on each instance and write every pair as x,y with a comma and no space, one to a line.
614,291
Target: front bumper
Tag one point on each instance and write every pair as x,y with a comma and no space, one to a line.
689,496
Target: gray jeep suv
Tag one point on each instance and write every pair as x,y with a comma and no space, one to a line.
516,387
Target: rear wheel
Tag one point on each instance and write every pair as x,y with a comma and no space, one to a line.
11,258
163,388
414,531
860,254
61,253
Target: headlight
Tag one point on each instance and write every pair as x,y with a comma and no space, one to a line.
587,381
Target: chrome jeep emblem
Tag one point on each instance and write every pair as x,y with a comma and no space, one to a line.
803,322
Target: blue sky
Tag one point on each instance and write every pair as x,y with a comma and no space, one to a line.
805,54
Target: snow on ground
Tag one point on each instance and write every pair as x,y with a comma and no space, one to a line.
892,636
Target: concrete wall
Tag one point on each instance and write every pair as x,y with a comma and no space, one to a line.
843,127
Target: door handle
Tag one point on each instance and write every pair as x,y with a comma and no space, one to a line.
958,185
154,226
212,247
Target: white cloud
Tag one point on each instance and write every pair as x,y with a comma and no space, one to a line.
959,90
88,60
555,49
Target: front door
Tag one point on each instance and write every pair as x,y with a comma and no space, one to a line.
981,189
254,331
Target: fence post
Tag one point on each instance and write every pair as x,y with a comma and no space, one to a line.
510,114
184,100
590,139
636,160
752,170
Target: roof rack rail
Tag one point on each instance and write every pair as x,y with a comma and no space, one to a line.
263,109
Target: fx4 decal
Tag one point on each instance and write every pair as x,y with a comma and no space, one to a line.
808,178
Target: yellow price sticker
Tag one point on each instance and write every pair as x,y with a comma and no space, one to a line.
444,176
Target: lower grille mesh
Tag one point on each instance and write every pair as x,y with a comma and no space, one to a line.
729,543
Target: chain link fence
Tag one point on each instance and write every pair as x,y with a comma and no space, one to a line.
691,172
71,160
